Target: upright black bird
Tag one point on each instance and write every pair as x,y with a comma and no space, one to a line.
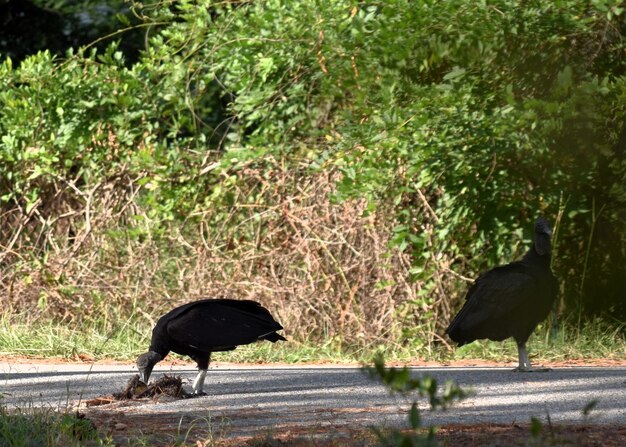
510,300
199,328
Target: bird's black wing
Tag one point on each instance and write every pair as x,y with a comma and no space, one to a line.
494,296
248,306
215,324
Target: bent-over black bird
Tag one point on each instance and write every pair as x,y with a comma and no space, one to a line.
510,300
199,328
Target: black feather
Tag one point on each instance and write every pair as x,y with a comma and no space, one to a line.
199,328
510,300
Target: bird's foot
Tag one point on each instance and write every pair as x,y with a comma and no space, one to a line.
192,395
530,369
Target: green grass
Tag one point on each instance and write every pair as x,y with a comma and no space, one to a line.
44,427
31,426
50,339
126,340
592,340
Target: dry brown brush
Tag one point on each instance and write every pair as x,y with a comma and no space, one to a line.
323,266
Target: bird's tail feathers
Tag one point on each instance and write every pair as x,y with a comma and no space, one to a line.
272,336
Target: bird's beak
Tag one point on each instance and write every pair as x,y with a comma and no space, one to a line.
145,363
144,374
542,244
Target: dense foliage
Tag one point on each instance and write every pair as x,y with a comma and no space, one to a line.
348,163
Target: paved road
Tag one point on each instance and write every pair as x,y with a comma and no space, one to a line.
245,401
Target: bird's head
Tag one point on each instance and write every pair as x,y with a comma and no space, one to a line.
145,363
543,232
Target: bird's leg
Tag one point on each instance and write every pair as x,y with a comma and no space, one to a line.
524,361
198,383
524,364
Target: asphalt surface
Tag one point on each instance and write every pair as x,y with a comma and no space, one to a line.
249,401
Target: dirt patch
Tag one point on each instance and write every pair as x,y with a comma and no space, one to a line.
82,358
173,361
165,428
136,389
479,435
508,435
550,364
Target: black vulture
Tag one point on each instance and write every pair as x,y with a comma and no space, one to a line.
510,300
199,328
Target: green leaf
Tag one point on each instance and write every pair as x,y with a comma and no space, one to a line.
535,427
414,416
